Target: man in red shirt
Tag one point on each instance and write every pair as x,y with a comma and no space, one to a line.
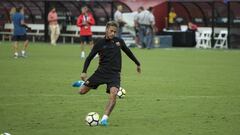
84,22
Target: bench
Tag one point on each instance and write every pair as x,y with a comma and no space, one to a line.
8,30
37,30
72,31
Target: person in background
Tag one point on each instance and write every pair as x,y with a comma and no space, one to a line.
19,32
118,17
151,29
12,12
171,18
192,26
53,25
146,21
136,28
84,22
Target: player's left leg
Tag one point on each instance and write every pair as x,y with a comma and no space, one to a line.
15,49
110,105
25,46
82,44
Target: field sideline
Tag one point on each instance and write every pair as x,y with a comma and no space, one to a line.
181,91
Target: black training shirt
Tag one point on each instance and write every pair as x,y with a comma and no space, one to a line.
110,59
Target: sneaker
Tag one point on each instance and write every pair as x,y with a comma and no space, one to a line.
23,54
83,54
104,122
78,83
15,56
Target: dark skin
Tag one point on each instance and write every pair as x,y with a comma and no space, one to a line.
110,34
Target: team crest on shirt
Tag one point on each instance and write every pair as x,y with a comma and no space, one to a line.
118,44
87,82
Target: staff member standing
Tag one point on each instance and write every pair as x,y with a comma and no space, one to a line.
53,25
118,17
84,22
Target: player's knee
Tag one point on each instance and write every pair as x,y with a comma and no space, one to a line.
82,91
114,91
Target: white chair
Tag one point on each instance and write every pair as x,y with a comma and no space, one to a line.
221,40
204,39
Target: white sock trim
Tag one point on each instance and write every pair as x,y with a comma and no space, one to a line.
105,117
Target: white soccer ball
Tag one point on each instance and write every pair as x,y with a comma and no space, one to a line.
121,92
92,119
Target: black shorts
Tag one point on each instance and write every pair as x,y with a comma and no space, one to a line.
86,39
98,78
19,37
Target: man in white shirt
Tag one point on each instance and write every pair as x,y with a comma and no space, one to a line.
151,29
145,21
118,17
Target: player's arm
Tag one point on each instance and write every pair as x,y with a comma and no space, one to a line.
91,20
80,21
131,55
23,24
88,61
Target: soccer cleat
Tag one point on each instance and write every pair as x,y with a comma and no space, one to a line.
82,54
104,122
23,54
78,83
15,55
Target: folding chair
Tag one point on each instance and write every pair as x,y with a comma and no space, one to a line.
204,39
221,40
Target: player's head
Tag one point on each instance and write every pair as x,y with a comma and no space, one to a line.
140,9
150,9
111,29
18,9
84,9
119,8
53,9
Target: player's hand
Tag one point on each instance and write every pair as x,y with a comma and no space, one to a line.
139,69
83,76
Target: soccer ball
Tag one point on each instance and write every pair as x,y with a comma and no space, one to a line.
121,92
92,119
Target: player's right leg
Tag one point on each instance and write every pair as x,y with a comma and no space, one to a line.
84,89
15,49
25,46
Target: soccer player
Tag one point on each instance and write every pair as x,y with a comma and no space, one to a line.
19,33
109,69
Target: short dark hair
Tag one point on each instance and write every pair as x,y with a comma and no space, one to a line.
150,9
112,23
142,8
18,9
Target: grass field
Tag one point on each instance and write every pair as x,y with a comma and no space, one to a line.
180,92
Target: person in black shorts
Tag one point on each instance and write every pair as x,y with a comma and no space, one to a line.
109,69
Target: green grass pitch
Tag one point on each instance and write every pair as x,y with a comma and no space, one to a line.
181,91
